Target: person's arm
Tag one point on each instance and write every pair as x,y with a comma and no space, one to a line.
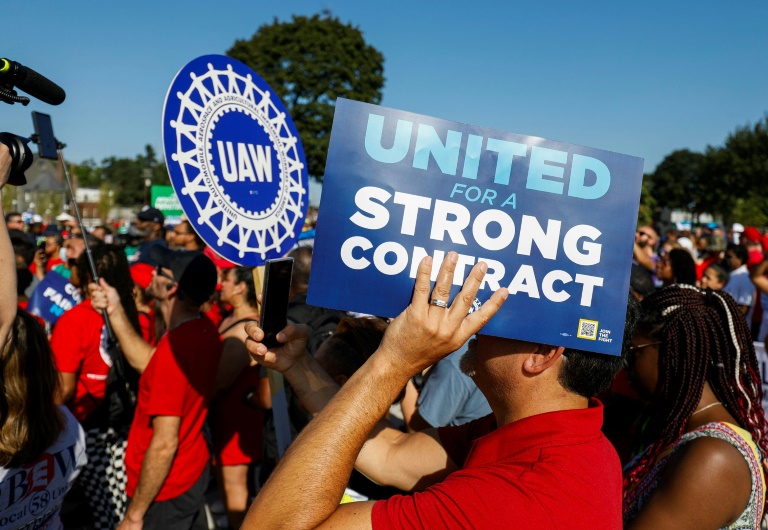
706,484
262,395
409,403
643,259
39,264
154,469
66,388
136,350
316,468
8,298
757,275
409,462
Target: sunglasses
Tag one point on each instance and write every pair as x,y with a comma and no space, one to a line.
159,272
634,349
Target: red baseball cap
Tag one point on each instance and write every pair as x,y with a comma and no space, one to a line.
751,234
141,274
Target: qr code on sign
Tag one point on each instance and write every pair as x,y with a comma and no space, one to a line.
587,329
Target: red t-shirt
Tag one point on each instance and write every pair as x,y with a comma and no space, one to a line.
147,326
553,470
79,344
48,266
178,381
53,262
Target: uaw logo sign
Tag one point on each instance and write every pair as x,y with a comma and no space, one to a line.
235,160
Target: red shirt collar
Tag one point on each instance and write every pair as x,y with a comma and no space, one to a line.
563,427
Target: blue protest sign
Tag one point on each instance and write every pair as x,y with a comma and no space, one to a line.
52,297
235,160
555,223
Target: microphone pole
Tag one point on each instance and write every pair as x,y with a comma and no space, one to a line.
94,274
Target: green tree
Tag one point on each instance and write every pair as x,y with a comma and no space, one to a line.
735,176
309,63
127,176
647,203
88,174
106,200
751,211
676,181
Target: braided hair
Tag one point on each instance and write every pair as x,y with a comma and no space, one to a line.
704,338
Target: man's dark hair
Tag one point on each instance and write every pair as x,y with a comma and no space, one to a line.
58,238
11,215
720,272
740,251
302,263
641,281
107,229
588,373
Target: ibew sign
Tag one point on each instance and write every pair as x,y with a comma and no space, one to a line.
554,222
235,160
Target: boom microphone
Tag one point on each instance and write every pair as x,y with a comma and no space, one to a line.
31,82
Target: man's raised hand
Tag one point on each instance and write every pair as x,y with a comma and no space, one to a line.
433,326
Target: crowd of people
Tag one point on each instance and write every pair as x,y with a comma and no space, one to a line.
151,396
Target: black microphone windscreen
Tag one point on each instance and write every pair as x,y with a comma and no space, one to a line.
43,89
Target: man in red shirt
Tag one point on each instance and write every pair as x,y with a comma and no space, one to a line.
539,461
167,456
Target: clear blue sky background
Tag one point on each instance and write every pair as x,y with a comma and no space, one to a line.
641,78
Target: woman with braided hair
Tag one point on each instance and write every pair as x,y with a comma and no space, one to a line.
706,434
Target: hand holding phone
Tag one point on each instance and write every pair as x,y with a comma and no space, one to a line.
274,301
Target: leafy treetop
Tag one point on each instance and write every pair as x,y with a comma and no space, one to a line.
309,63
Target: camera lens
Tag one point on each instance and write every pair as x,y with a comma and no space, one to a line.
21,157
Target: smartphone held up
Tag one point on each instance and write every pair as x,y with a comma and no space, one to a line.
274,299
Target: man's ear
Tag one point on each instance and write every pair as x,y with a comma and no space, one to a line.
542,359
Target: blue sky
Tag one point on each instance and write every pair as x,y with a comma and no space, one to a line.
637,78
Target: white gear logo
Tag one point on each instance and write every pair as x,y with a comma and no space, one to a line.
240,226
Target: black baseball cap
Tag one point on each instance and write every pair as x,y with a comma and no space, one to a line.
151,214
193,271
